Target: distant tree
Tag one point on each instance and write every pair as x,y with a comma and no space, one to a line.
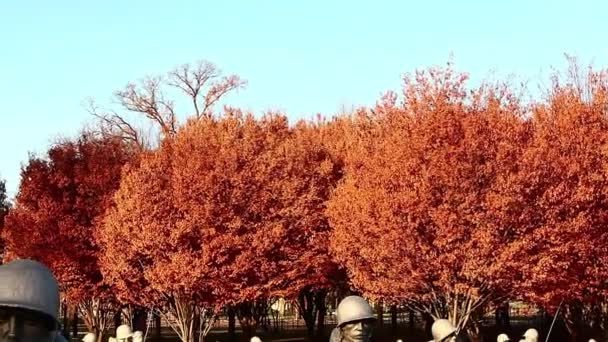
202,83
4,207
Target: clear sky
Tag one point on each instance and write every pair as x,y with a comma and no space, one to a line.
303,57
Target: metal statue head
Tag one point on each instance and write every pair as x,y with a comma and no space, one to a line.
89,337
29,302
531,335
355,319
443,331
502,338
124,333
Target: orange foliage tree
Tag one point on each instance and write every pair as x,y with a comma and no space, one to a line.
228,212
410,220
57,210
558,201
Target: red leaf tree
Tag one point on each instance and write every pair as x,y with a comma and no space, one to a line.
558,201
410,220
61,199
228,212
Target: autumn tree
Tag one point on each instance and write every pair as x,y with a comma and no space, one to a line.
202,84
410,221
230,211
61,198
4,207
557,202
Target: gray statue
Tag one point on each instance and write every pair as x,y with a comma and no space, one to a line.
29,303
355,321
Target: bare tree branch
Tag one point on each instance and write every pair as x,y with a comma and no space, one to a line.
191,80
201,83
218,90
148,99
112,124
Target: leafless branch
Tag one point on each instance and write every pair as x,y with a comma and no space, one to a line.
218,90
148,99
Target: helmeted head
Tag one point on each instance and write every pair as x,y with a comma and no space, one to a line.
123,332
502,338
89,337
531,335
443,330
255,339
354,308
138,336
355,319
29,302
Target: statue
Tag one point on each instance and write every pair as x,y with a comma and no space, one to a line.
124,333
138,336
89,337
531,335
502,338
355,321
443,331
29,303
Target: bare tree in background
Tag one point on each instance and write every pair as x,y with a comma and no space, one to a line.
202,83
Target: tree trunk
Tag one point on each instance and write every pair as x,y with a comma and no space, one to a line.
426,318
306,307
250,314
428,322
196,324
473,331
139,321
394,317
573,320
321,307
65,331
75,323
158,327
380,314
117,319
231,323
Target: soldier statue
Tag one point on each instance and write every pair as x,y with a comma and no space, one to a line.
29,303
355,321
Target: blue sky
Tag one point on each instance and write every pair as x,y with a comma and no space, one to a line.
302,57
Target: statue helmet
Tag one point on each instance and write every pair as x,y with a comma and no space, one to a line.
138,336
29,285
441,329
502,338
592,340
255,339
123,332
90,337
531,334
354,308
